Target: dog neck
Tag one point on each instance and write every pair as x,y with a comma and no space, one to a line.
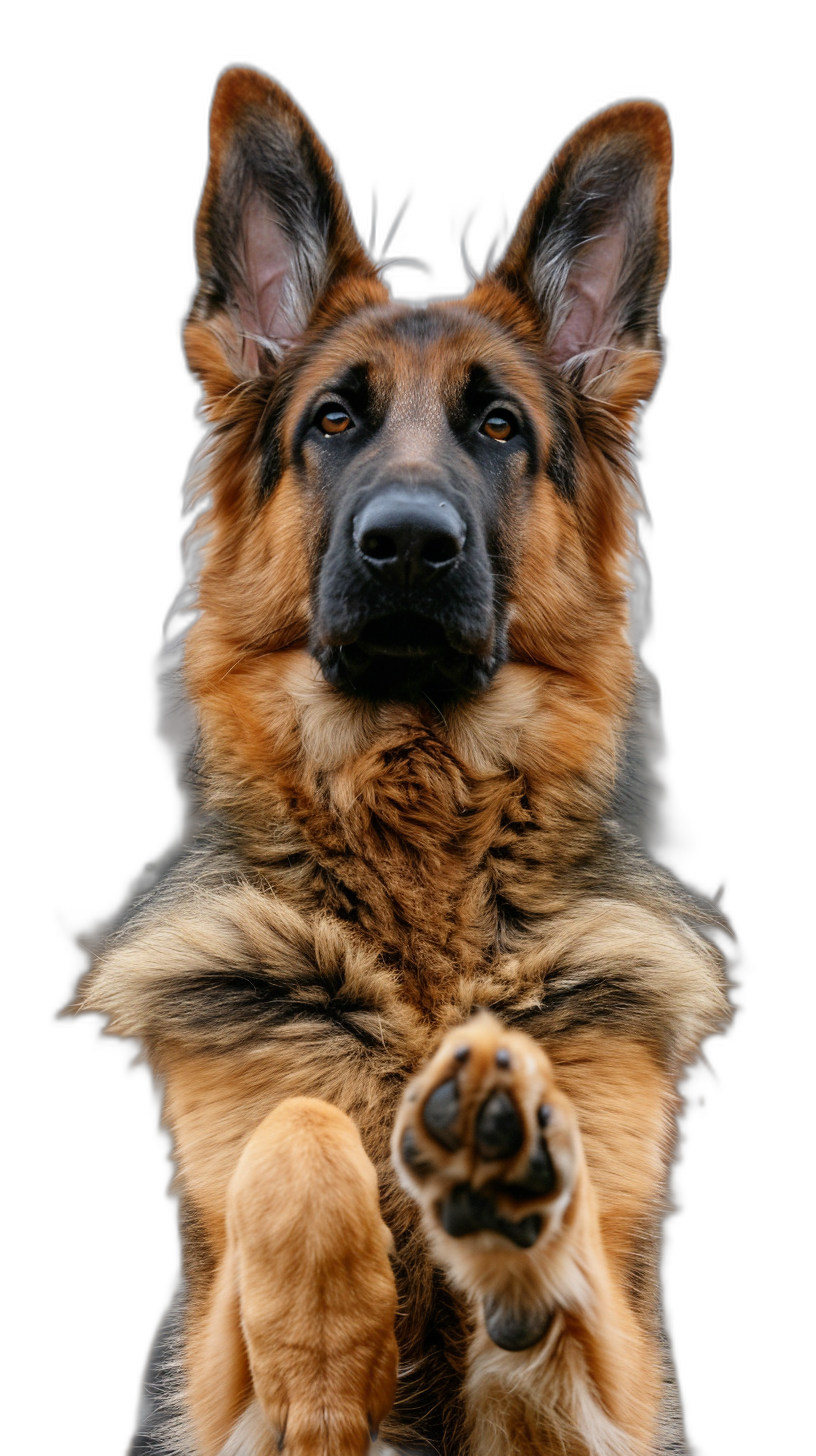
435,830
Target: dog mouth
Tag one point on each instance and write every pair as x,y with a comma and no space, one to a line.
403,634
406,654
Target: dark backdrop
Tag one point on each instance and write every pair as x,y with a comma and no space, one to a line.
465,130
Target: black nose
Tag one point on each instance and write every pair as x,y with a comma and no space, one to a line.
407,535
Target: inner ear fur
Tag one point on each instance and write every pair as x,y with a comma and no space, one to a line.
274,232
591,251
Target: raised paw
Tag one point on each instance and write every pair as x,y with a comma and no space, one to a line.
489,1147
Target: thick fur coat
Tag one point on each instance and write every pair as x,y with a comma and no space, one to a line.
417,997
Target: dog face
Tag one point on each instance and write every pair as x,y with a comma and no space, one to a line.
418,498
416,448
417,459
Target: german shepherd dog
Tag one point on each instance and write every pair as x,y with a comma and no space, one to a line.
418,999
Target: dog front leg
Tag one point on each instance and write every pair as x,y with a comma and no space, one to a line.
489,1145
296,1349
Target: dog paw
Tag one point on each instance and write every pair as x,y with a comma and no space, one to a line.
489,1147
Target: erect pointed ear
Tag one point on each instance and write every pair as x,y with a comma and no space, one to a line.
592,250
274,230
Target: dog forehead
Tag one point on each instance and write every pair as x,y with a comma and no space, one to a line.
417,360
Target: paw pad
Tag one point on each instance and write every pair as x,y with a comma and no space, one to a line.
441,1114
499,1129
514,1329
468,1210
489,1146
484,1138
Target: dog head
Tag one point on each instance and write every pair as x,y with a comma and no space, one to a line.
418,499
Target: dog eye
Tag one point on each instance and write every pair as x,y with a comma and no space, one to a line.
499,426
334,422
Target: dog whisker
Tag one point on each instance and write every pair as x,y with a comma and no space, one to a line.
463,252
372,237
394,228
417,263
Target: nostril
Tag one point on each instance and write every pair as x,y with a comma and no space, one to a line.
440,548
407,536
378,546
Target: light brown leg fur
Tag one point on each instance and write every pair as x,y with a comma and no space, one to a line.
582,1376
302,1308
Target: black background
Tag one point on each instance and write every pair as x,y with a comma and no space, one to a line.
465,128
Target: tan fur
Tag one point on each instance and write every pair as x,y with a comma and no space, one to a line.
596,1351
624,1103
302,1309
374,872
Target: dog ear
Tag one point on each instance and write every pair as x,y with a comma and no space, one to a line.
274,231
592,250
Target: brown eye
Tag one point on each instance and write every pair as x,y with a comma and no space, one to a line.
334,422
499,426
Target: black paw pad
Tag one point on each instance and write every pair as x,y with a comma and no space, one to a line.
515,1329
469,1210
441,1114
466,1211
499,1129
539,1179
412,1155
